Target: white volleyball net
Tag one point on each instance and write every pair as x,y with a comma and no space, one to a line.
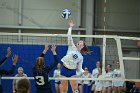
113,49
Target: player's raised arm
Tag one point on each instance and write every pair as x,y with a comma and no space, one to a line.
53,49
15,59
46,48
11,71
8,52
70,40
7,56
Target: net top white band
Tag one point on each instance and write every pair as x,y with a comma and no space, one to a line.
51,78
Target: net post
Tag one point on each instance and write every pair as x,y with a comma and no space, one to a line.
120,54
103,56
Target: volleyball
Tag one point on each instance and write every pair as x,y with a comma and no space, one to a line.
66,13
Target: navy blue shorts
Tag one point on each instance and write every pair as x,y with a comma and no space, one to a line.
67,72
44,91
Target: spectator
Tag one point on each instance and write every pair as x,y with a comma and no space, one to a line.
117,85
57,75
99,83
107,84
86,83
95,74
20,74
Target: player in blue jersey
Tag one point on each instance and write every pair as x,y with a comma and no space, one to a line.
40,71
7,72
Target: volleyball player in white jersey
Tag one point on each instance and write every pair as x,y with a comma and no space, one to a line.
107,84
79,75
57,75
72,59
99,83
86,83
95,74
118,85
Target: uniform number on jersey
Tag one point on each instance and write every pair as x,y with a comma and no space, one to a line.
75,56
40,80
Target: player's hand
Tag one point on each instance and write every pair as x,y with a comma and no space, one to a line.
53,49
15,59
71,23
8,52
46,48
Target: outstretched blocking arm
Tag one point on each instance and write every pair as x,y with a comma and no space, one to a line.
45,50
55,59
7,56
11,71
3,60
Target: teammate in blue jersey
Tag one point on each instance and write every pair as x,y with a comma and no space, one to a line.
40,71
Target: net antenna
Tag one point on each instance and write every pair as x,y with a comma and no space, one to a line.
104,38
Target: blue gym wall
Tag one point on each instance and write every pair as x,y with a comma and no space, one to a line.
27,58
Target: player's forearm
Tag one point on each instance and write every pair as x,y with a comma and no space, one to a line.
55,62
70,40
54,53
69,31
3,60
43,53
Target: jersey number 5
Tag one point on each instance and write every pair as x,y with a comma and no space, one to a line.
40,80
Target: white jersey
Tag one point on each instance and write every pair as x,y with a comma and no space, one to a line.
108,83
95,72
16,80
117,74
24,75
57,74
86,76
99,84
79,75
73,56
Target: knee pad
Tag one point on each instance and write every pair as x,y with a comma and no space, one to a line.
76,91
